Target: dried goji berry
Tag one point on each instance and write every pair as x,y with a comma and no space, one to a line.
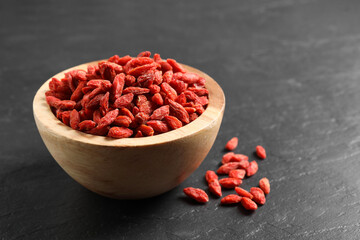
169,91
227,157
117,86
123,60
97,116
242,192
129,80
74,119
210,175
146,130
136,90
100,131
175,65
154,89
199,91
165,66
258,195
109,118
197,194
157,98
215,188
193,116
173,122
86,125
265,185
248,204
237,173
231,199
158,126
230,182
138,134
168,76
65,117
227,167
160,113
147,107
104,103
124,100
141,118
232,144
144,54
260,151
78,94
179,111
120,132
157,58
122,121
95,102
127,112
252,168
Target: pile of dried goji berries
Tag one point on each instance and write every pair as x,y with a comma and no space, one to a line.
236,166
128,97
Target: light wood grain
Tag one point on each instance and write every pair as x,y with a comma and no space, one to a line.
132,167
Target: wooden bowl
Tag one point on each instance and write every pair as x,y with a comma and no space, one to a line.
130,168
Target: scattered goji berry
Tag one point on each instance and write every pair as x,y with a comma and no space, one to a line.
260,151
252,168
237,173
242,192
248,204
232,144
197,194
230,182
210,175
258,195
215,188
227,157
265,185
231,199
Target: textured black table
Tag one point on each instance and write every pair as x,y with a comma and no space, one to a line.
290,72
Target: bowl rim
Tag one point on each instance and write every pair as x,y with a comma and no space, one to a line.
45,119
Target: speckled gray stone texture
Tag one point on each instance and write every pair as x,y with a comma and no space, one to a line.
290,72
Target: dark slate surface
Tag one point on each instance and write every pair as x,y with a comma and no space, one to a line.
290,72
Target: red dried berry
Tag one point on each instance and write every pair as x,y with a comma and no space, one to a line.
260,151
226,168
74,119
160,113
231,199
211,175
237,173
242,192
86,125
215,188
258,195
227,157
197,194
252,168
265,185
122,121
120,132
173,122
158,126
248,204
232,144
230,182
